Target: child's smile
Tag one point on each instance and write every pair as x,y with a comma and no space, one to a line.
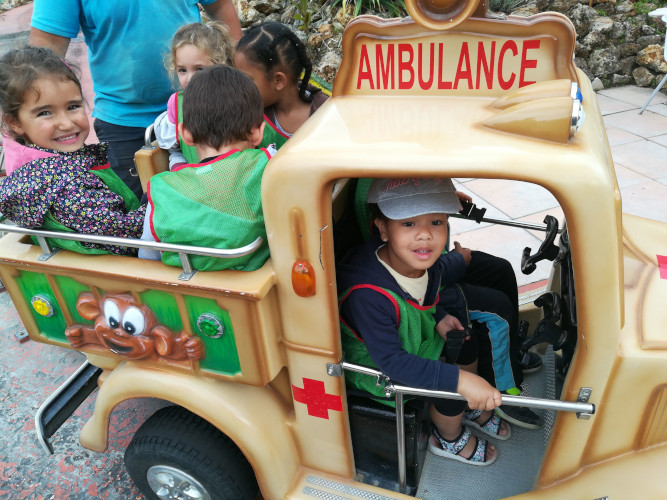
413,245
53,115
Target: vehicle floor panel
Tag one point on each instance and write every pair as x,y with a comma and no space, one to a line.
518,464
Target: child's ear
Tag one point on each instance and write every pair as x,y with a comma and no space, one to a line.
185,134
279,80
381,224
13,124
256,135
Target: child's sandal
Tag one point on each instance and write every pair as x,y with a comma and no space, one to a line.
451,449
490,427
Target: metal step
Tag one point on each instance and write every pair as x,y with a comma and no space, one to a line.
64,401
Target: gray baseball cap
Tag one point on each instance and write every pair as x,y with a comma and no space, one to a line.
413,196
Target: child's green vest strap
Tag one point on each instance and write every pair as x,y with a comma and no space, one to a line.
272,135
416,329
115,184
224,197
190,152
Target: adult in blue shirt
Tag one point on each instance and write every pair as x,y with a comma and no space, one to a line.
127,41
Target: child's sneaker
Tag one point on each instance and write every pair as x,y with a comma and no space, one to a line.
519,415
530,363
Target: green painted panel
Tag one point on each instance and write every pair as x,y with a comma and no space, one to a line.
221,355
164,307
70,290
35,284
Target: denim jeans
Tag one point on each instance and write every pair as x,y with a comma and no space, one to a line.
123,143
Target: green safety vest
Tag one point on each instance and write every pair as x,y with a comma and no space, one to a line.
272,135
416,329
216,205
190,152
115,184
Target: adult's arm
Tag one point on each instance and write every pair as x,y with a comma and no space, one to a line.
57,44
225,12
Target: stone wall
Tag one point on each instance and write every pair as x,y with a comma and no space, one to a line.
617,42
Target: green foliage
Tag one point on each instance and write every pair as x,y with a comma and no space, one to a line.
304,14
644,7
395,9
506,6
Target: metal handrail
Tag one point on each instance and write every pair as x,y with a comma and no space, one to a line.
182,250
136,243
545,404
583,409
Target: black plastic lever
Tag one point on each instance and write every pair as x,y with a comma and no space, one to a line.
547,250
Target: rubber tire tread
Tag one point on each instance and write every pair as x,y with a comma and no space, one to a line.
177,437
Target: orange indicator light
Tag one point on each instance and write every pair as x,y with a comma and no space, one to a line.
303,278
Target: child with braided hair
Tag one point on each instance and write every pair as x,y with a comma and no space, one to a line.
276,60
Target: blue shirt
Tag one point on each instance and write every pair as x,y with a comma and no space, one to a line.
127,43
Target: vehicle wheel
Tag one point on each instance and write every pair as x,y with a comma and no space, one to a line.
176,454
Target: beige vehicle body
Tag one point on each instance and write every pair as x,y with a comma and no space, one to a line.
264,382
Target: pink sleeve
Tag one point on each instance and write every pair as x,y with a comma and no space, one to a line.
171,108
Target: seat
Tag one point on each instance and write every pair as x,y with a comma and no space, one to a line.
658,13
150,159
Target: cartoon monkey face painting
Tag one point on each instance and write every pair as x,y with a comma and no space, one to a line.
129,330
121,328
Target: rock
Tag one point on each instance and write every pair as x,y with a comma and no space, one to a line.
525,12
563,5
602,25
626,65
603,61
287,17
625,7
328,66
648,30
628,49
618,80
642,77
345,17
315,41
267,7
326,31
652,57
649,40
617,31
581,51
248,17
632,31
582,16
594,40
597,84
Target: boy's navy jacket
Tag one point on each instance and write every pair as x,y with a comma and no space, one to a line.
373,318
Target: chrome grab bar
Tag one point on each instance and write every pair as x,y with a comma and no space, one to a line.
582,408
182,250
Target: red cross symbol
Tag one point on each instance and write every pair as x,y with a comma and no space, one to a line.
662,266
316,399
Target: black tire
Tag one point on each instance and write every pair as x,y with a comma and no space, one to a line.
175,452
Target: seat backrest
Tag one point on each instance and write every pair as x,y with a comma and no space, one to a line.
150,161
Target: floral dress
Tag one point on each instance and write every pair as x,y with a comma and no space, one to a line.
66,188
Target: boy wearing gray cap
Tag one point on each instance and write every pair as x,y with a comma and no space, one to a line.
398,301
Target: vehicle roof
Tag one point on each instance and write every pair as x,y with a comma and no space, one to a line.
445,135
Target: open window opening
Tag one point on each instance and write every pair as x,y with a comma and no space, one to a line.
524,224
